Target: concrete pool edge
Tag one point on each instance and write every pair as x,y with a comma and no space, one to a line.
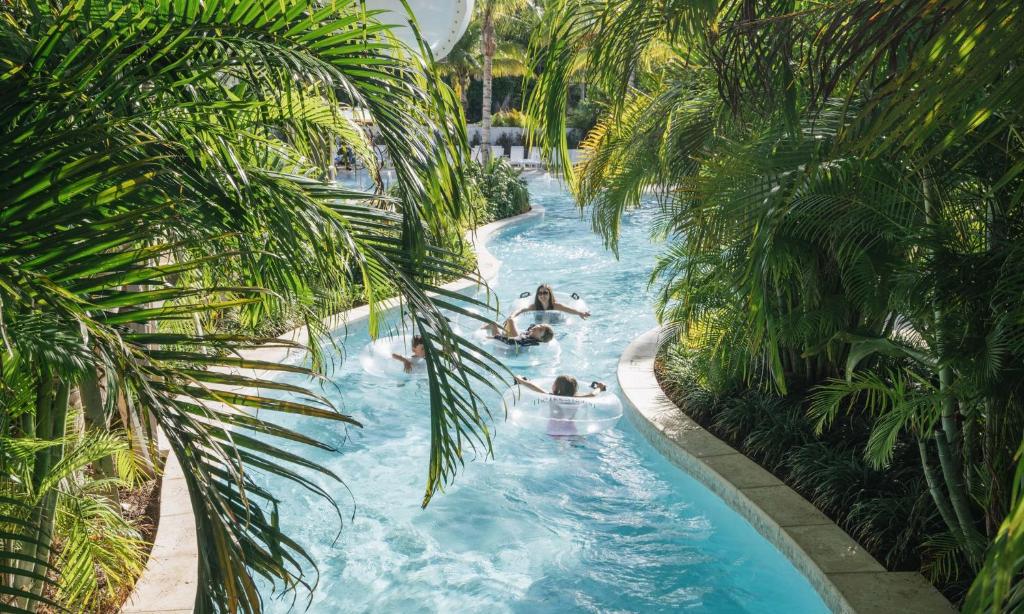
848,579
169,582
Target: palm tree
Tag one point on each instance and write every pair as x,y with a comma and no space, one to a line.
829,229
163,161
492,16
465,62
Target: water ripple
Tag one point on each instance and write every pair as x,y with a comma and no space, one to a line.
599,525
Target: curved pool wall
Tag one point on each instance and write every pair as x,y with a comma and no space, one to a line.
604,523
849,579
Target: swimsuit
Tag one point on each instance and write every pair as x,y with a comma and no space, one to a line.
522,340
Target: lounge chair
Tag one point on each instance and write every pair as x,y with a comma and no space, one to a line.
534,160
516,156
497,151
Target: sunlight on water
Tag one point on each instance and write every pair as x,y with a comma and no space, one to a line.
604,524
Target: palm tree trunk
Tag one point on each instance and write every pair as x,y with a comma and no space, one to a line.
954,477
487,40
95,414
34,425
949,426
51,414
930,477
463,93
947,441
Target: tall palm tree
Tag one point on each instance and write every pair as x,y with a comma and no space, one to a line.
494,15
465,62
163,160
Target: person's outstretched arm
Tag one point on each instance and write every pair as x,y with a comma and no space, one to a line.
575,312
522,310
594,391
522,381
406,363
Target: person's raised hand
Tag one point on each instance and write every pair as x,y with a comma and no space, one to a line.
584,314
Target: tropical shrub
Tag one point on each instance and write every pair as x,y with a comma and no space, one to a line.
100,553
511,118
503,192
841,187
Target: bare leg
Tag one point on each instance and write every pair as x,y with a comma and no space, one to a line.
492,329
510,328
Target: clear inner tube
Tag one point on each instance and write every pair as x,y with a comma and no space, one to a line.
561,416
523,356
376,358
550,316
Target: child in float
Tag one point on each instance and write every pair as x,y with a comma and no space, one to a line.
509,334
561,416
544,300
419,352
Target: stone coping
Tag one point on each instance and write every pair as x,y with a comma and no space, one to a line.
847,577
170,580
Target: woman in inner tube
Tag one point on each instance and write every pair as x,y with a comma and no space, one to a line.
544,300
563,386
560,419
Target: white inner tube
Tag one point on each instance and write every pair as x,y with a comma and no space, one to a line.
561,416
376,358
523,356
549,316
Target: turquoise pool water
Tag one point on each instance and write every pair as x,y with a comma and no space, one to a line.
599,525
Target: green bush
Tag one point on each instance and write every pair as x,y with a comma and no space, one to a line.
584,115
508,119
503,191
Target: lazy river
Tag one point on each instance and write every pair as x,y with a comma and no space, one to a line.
601,524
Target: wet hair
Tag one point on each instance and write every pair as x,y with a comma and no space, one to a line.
564,386
537,305
417,340
546,332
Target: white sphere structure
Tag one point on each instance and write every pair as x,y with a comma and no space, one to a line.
441,22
